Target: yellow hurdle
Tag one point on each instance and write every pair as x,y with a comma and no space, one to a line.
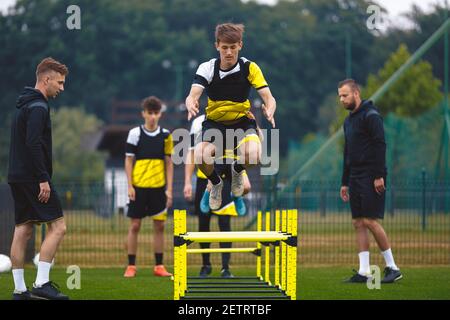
176,257
223,250
292,256
284,239
180,256
259,246
277,250
236,236
283,251
267,251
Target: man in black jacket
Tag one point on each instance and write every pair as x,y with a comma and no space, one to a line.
29,176
363,178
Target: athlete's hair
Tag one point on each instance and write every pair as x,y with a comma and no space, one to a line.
351,83
229,32
50,64
151,103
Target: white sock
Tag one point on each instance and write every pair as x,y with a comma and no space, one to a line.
389,258
364,265
19,281
43,273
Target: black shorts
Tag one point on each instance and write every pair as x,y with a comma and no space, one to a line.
246,125
149,202
28,208
365,202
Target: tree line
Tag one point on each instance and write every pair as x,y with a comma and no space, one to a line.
119,51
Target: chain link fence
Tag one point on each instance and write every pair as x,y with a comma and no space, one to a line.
417,221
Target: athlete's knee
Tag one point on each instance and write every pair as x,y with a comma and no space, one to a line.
224,223
135,226
58,228
24,232
204,245
225,245
358,223
62,229
198,154
28,234
159,226
251,152
204,152
370,223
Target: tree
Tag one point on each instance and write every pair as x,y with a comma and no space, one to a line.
118,53
425,24
414,93
71,160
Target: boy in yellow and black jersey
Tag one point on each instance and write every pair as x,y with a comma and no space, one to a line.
149,170
227,81
231,206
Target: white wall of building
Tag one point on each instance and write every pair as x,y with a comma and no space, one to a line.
120,186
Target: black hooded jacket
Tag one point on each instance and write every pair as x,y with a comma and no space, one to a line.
365,145
30,153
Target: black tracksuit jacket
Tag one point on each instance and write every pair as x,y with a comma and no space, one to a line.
30,153
365,146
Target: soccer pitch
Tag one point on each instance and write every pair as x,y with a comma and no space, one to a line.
313,283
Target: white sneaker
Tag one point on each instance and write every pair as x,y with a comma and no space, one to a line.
215,196
237,182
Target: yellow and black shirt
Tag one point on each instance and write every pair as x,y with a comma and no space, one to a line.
149,149
228,90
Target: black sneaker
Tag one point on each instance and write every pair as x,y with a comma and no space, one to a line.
49,291
391,275
205,271
226,273
357,278
26,295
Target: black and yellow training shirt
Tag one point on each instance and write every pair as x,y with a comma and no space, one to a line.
228,90
149,150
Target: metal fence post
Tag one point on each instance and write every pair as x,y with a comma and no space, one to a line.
298,192
392,199
424,222
113,190
323,201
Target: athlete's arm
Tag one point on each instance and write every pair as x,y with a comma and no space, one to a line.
269,106
129,163
192,101
189,169
169,181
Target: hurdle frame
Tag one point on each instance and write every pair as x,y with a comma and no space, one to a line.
284,240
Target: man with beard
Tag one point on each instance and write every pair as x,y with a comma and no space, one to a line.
363,179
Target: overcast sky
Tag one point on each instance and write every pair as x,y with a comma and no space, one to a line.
394,7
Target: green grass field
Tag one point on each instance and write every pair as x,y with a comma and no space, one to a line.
313,283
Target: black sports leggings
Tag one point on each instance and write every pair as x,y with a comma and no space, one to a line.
224,225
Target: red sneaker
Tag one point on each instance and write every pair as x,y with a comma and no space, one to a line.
130,272
160,271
